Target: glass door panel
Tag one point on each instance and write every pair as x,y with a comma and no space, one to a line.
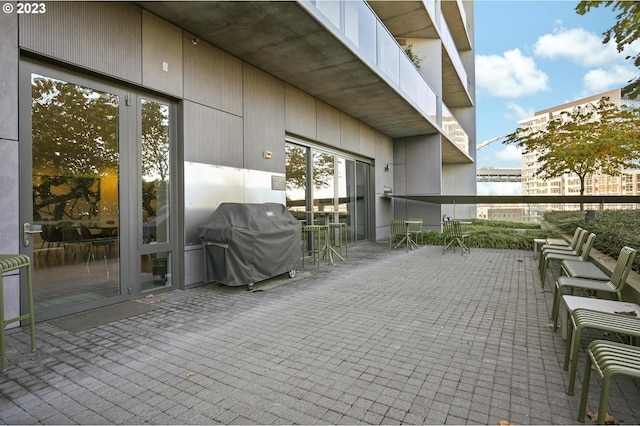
361,214
323,184
156,204
296,175
154,148
75,194
346,194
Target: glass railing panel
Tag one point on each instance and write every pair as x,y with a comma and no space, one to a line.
331,9
368,36
360,28
428,101
408,78
430,5
388,54
414,86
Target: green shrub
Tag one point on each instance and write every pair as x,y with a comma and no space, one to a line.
498,234
614,229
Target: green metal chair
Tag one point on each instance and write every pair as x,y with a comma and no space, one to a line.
609,359
582,319
579,233
10,262
398,232
455,234
415,230
448,234
546,257
613,286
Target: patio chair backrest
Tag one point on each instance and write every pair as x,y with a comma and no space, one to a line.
580,241
398,228
587,246
448,230
461,229
415,227
576,235
623,267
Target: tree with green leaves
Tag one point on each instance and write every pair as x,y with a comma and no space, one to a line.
625,31
596,138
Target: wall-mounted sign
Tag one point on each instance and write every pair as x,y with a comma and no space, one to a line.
278,183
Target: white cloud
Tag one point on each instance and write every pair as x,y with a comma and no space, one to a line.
509,156
579,46
516,112
600,80
510,76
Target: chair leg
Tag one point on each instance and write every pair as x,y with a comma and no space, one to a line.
544,262
604,398
585,390
575,352
557,294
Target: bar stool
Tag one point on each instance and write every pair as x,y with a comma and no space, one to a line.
10,262
318,234
342,236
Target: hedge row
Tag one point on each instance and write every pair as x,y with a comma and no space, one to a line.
614,229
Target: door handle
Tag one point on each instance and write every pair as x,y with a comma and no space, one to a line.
27,232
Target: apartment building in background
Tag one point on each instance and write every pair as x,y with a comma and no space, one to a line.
627,183
135,120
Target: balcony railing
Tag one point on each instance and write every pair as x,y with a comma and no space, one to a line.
371,40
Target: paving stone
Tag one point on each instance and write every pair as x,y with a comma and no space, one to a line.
384,337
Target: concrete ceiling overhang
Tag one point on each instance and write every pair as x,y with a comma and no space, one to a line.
410,19
283,39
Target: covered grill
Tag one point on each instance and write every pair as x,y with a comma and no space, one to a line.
246,243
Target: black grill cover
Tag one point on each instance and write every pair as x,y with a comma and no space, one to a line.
246,243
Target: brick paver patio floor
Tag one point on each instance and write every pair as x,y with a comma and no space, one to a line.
384,337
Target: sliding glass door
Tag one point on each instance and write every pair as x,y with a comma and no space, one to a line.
321,180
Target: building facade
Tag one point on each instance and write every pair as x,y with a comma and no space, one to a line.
627,183
124,125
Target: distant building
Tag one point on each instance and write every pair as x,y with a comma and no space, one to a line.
628,183
511,214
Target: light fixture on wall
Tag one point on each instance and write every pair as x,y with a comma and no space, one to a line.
194,40
386,190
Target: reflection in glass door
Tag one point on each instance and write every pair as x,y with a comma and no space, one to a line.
296,175
155,244
323,188
328,181
75,133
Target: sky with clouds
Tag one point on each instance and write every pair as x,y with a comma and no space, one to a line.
533,55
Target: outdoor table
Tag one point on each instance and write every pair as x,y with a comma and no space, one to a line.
571,303
407,236
328,247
